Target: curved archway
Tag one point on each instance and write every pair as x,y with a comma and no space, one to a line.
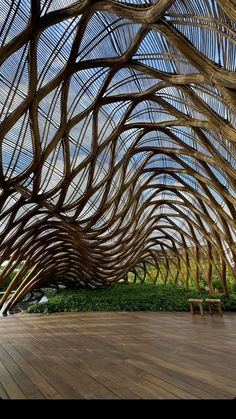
117,141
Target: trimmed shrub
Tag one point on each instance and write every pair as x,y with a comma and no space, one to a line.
127,297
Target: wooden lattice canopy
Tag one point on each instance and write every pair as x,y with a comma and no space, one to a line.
117,141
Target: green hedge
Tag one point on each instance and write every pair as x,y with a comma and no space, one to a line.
126,297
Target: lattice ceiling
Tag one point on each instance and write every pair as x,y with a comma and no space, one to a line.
117,138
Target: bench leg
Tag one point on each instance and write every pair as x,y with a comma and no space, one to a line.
219,308
201,309
209,308
191,308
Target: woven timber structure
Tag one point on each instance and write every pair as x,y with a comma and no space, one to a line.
117,141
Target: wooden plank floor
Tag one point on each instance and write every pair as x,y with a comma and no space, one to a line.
118,356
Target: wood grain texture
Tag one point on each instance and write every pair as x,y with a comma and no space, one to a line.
117,356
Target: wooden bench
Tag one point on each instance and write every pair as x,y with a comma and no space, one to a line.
199,302
211,301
